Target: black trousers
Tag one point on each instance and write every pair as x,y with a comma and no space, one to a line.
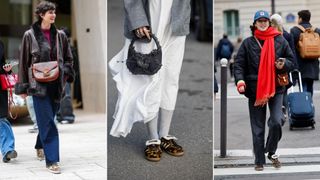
258,121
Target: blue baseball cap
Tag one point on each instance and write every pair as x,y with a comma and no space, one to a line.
261,14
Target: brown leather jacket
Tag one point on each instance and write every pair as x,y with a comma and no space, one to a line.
35,48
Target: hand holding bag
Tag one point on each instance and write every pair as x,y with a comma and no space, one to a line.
147,64
8,80
7,83
47,71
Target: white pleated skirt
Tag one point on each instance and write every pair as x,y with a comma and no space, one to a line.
141,96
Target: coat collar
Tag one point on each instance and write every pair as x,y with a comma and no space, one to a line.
39,34
47,51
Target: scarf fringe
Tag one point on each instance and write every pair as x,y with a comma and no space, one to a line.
263,101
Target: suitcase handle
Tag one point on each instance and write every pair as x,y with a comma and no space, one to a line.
296,71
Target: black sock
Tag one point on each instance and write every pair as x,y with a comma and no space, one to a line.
270,154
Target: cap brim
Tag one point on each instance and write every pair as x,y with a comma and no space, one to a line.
266,17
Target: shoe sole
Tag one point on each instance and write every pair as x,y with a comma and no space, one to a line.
174,154
258,169
277,167
153,159
54,172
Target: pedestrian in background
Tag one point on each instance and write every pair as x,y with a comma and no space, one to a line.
77,92
215,84
256,66
40,44
308,67
65,114
276,22
234,54
6,135
236,47
143,97
225,50
32,115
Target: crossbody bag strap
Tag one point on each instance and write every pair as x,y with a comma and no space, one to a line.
258,42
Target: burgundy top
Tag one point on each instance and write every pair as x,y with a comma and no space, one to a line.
46,33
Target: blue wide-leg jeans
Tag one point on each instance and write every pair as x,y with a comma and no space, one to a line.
6,136
48,137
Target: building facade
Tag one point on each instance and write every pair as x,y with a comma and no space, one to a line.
234,17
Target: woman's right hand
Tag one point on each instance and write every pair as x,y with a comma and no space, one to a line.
241,86
143,31
7,67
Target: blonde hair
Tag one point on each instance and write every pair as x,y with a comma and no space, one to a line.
275,24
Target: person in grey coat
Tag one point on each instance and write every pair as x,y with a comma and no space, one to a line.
142,97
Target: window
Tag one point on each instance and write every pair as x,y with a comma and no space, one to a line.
16,17
231,22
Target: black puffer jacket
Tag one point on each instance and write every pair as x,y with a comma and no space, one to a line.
308,68
246,64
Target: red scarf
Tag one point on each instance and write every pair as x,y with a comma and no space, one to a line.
266,84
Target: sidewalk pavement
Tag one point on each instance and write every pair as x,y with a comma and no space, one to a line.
82,151
288,156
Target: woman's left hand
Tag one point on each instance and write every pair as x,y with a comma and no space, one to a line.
143,31
7,67
279,64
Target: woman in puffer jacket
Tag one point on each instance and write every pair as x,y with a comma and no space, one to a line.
260,58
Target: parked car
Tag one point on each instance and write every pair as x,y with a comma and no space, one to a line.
201,19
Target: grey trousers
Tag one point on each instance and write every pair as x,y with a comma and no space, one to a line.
258,121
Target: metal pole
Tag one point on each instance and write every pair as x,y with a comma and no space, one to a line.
223,110
272,7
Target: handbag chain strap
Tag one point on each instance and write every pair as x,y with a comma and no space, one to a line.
11,104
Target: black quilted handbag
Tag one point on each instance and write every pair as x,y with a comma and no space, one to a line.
147,64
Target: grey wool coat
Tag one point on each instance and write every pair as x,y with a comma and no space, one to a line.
137,15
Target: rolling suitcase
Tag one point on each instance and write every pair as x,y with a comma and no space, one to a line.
300,105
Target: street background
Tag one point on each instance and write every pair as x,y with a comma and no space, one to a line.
82,151
192,119
299,149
